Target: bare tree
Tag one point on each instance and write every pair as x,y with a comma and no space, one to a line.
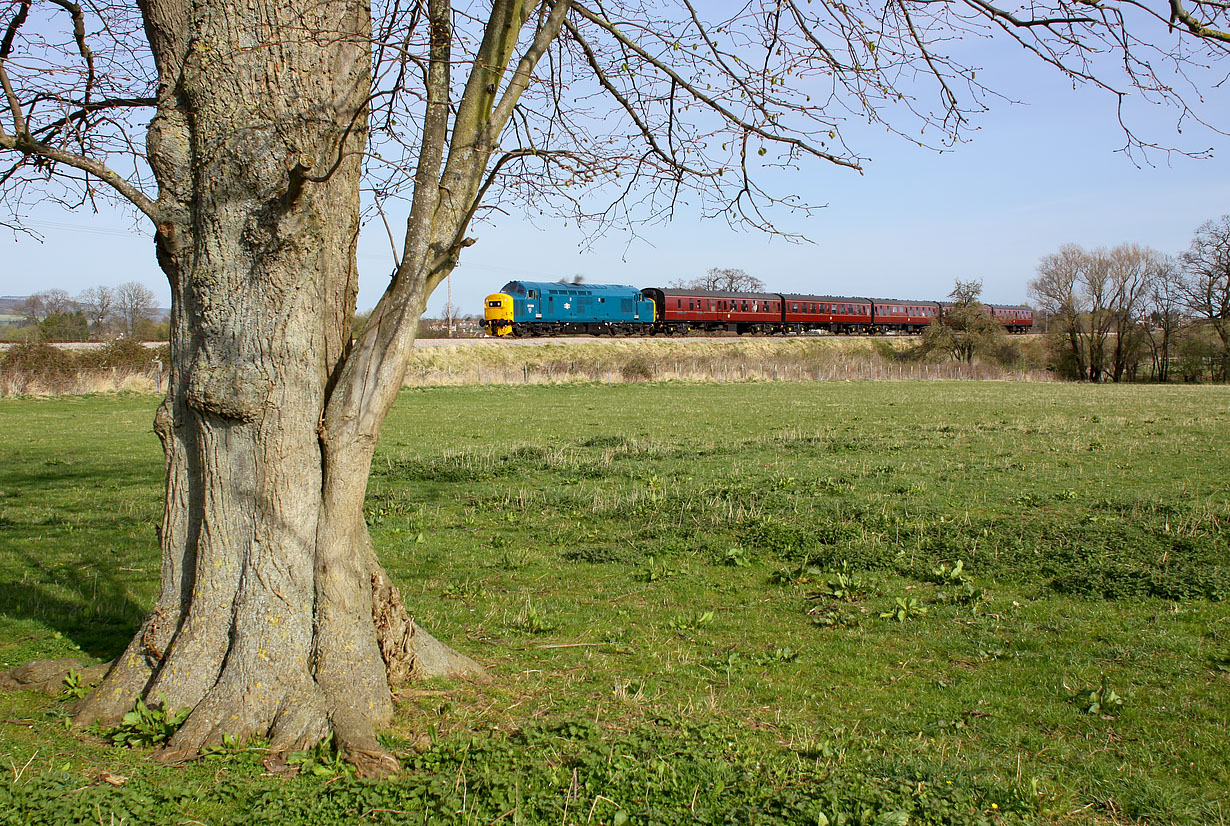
134,303
269,117
723,280
1095,299
97,303
1163,313
40,306
1206,265
1056,291
1130,270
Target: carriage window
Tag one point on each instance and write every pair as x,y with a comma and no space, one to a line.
745,306
691,304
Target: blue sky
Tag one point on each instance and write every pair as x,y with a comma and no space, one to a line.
1033,177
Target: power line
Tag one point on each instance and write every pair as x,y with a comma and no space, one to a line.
367,256
91,230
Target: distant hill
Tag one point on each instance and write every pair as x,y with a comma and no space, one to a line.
9,305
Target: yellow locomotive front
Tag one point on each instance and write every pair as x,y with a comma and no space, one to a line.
498,314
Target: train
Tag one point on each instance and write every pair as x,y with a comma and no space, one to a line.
538,308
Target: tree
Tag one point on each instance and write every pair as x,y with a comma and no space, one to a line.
1206,265
64,326
1130,270
723,280
1056,292
1164,304
97,303
42,305
963,328
1095,299
269,117
134,303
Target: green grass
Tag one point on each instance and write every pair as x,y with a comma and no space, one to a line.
680,590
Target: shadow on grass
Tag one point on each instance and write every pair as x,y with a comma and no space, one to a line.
91,607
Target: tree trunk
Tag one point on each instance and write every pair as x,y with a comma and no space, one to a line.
275,619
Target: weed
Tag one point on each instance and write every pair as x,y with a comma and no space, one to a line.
532,620
468,589
655,571
74,688
905,608
776,656
800,574
844,585
690,622
736,557
322,761
1102,701
956,586
145,726
829,615
992,654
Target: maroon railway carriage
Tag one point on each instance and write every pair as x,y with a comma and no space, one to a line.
834,313
897,315
1015,318
681,310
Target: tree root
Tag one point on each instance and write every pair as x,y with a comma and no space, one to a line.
47,676
293,712
298,716
409,652
357,744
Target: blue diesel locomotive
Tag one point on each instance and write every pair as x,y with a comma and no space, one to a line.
543,308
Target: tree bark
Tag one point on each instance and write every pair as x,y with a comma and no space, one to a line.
274,619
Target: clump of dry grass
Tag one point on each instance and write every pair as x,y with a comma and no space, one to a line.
40,369
76,382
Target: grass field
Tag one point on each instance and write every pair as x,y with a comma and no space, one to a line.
822,603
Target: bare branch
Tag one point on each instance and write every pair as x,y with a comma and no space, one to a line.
29,146
1194,26
707,100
